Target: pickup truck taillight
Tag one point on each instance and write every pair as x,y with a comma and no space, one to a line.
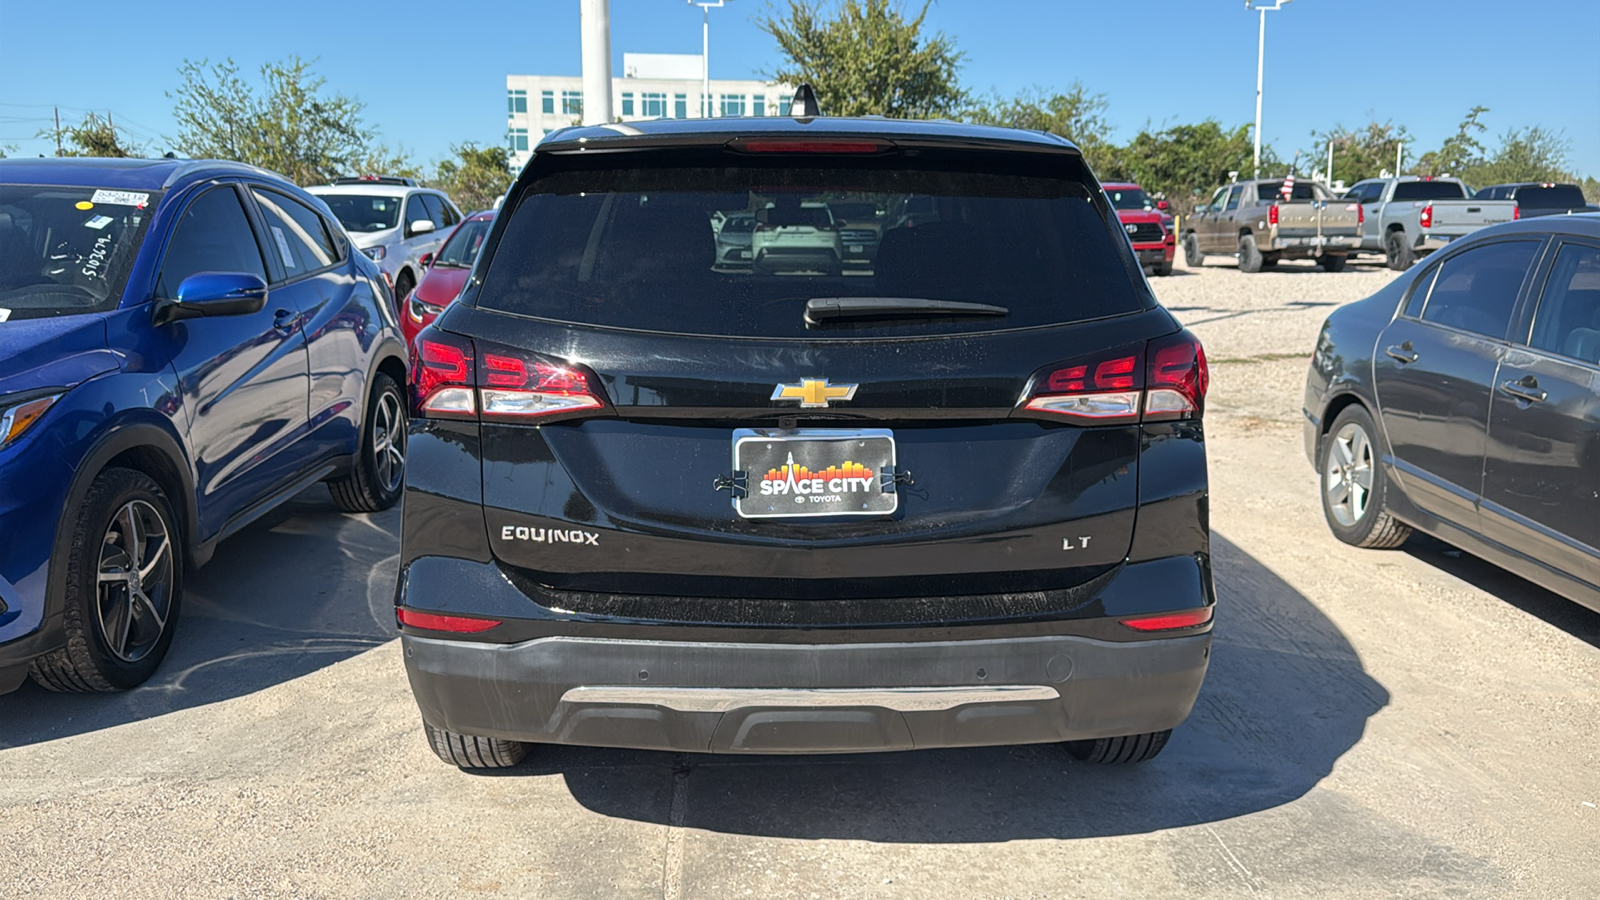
1516,213
1426,218
1162,380
1361,214
1272,215
453,377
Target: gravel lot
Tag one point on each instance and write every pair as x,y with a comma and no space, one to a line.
1375,724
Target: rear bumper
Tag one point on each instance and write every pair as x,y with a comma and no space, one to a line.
805,698
1313,245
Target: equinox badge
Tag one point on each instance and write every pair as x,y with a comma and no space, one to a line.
814,393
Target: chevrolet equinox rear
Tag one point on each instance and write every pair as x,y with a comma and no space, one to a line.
955,497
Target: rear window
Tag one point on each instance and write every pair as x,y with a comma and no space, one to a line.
1268,191
1561,196
637,247
1429,190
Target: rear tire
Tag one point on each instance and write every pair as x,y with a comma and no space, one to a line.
1121,750
1250,258
403,286
1356,514
472,752
1192,257
1331,262
1397,251
118,625
378,475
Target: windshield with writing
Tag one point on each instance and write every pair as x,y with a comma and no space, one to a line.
66,250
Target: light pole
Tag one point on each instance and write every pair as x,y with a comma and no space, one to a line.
1261,56
595,26
706,6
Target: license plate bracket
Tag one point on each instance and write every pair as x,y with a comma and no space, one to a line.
810,472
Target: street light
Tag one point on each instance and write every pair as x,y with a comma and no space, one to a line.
1261,55
706,6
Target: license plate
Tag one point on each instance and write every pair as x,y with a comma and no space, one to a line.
814,472
855,248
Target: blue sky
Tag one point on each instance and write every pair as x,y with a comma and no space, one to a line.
433,74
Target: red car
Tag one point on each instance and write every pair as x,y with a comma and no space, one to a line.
1147,224
447,273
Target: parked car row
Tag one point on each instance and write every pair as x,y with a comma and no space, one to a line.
1260,222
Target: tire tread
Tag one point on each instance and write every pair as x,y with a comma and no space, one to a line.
472,752
1120,750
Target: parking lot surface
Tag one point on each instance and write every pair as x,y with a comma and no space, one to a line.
1375,724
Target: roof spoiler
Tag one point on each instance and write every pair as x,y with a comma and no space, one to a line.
805,105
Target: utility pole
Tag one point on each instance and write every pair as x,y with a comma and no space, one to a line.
595,24
706,6
1399,154
1330,161
1261,57
58,131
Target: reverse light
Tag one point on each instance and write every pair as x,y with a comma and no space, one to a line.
375,253
436,622
15,420
1189,618
1272,215
1425,218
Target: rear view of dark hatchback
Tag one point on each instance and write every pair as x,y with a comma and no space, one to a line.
953,496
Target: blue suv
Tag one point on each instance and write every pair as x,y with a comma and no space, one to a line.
183,345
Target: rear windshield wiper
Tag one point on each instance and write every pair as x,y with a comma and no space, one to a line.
825,309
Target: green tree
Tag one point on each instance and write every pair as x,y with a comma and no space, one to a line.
1076,115
476,177
868,59
1530,154
1458,151
94,136
1357,154
1185,162
290,125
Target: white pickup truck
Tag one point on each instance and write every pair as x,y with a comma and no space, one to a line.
1411,216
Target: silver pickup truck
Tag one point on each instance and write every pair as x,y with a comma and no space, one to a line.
1258,222
1412,216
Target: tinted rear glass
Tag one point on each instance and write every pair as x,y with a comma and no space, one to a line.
1429,190
636,247
1562,196
1269,191
364,212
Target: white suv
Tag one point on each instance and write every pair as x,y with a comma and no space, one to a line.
403,245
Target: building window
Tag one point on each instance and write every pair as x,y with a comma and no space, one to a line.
548,130
516,102
547,102
572,103
784,105
517,140
653,105
733,104
680,106
760,108
627,103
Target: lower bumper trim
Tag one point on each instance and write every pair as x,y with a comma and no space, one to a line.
722,700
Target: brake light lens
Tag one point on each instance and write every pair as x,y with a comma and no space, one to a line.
1100,390
436,622
1189,618
1361,214
1425,218
811,146
456,378
1272,215
1516,213
1177,378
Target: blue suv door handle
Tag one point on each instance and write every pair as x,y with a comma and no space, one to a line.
284,321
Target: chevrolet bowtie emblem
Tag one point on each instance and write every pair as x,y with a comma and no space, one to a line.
814,393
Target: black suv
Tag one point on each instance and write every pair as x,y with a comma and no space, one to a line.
954,497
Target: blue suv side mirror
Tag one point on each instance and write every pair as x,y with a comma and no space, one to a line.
212,294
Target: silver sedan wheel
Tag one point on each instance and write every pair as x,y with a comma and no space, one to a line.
1347,475
134,581
389,442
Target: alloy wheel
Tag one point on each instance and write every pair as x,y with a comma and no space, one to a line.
1347,475
134,581
388,442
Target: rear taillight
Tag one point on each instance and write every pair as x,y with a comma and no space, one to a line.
1189,618
1425,218
1163,380
1177,377
453,377
1272,215
1361,214
436,622
1516,213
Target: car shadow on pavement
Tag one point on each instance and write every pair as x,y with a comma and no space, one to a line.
295,591
1285,698
1570,616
